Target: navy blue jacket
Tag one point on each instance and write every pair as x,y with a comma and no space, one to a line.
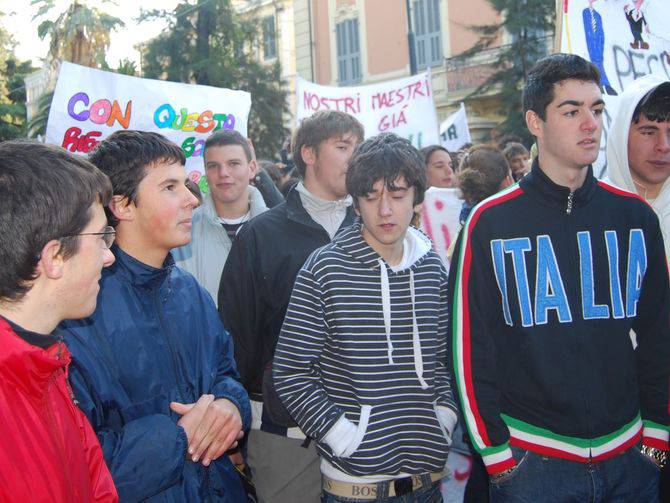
155,337
545,287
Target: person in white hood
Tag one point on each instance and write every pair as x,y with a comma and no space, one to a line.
638,146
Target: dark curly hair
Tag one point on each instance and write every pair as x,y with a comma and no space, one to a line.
386,157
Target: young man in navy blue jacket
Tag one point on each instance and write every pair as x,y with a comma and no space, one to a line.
153,367
561,399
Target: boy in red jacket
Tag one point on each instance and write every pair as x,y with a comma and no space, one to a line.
55,241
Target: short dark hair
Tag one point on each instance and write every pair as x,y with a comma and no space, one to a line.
538,91
514,149
481,173
386,157
45,193
124,156
430,150
320,127
225,137
655,105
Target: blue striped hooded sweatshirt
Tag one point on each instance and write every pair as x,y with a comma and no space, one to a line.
361,359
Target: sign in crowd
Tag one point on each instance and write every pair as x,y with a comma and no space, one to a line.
88,105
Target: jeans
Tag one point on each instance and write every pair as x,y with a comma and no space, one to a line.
429,494
624,478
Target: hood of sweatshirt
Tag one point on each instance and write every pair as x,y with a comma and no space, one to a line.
416,246
617,148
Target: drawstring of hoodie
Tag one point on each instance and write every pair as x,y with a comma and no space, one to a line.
416,340
386,310
386,307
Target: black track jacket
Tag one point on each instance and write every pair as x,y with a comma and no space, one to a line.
545,288
258,279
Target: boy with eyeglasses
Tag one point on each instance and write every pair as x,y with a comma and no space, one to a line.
55,243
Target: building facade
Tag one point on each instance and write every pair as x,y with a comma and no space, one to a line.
358,42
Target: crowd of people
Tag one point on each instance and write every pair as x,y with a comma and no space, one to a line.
291,336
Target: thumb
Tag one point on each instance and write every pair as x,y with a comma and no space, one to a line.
181,408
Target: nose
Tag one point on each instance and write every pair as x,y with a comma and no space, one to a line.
384,206
189,198
107,258
223,171
663,143
591,122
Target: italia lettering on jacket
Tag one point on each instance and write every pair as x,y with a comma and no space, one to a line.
550,293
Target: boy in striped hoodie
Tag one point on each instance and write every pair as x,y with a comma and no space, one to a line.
361,358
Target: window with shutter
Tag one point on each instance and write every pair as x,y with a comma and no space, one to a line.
348,52
427,33
269,38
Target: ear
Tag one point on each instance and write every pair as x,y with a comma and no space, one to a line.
308,155
418,208
355,205
122,208
253,168
534,123
51,262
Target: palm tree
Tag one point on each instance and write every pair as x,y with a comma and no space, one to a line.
80,34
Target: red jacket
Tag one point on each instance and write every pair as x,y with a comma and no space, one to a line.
48,450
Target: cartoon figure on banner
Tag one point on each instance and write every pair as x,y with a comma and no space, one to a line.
595,42
636,19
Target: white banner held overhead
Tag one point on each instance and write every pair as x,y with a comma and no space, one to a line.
404,106
89,105
454,131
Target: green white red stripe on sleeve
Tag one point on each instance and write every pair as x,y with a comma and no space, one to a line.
655,435
462,343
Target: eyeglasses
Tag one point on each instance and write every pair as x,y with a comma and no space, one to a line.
108,236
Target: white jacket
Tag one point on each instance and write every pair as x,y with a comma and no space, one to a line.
206,254
617,150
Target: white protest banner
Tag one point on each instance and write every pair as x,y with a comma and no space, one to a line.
625,39
404,106
439,219
89,105
454,131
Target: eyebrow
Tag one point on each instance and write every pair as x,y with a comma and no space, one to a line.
648,126
573,103
576,103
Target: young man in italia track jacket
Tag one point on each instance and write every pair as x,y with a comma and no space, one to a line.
551,275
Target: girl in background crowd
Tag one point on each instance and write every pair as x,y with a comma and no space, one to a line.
483,172
439,167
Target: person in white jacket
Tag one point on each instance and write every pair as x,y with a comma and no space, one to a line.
638,146
230,202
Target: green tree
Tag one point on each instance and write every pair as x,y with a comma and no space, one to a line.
12,90
530,26
209,43
13,104
80,34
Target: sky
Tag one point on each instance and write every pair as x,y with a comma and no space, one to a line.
18,21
